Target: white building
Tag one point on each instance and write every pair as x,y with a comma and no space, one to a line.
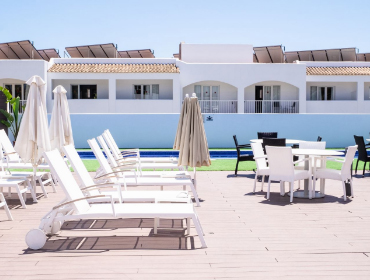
226,78
236,84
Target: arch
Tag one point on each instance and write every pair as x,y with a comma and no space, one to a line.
227,91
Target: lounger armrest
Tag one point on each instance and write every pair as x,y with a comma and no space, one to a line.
128,159
75,200
127,163
97,186
12,153
130,151
108,174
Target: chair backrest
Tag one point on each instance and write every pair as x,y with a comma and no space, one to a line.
114,143
362,153
346,166
319,138
258,152
312,145
236,145
99,156
280,161
79,167
279,142
111,145
107,152
8,146
65,179
267,135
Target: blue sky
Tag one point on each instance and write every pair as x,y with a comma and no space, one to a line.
162,25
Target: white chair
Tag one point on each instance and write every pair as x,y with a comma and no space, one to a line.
281,167
93,189
5,205
340,175
113,176
261,164
76,207
43,178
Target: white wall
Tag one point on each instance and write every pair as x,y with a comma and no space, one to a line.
102,86
332,107
343,91
125,88
227,92
88,106
287,91
22,69
144,106
218,53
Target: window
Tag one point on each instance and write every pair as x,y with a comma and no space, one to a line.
19,90
204,92
146,91
322,93
88,92
84,92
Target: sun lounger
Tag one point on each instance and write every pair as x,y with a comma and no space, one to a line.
118,176
108,137
92,189
76,207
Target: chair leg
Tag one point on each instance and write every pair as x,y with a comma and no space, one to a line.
344,191
282,190
356,166
2,199
52,182
199,231
310,193
263,181
255,183
350,181
155,225
42,186
291,185
21,197
363,171
268,189
188,225
236,167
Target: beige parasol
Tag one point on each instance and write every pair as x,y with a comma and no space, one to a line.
60,129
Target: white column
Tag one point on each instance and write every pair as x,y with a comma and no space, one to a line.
240,100
176,95
360,96
302,98
112,95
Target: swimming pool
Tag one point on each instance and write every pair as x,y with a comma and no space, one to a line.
222,154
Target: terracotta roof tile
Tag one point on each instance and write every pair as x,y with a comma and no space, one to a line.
113,68
338,71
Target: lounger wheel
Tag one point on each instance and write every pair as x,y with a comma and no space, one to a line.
56,227
35,239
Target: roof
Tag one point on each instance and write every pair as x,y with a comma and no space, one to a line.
338,71
93,51
344,54
19,50
146,53
113,68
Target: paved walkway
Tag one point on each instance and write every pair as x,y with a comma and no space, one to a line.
247,236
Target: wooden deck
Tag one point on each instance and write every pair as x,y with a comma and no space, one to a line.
247,236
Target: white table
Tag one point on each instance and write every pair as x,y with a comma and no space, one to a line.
368,140
318,153
287,141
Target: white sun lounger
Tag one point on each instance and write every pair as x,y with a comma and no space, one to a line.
76,207
92,189
165,180
109,136
142,165
115,166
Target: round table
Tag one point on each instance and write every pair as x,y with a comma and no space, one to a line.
368,140
318,153
287,141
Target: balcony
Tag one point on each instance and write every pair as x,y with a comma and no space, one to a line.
271,106
218,106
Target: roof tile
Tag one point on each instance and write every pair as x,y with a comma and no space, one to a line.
338,71
113,68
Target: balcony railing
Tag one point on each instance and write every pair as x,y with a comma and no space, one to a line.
271,106
218,106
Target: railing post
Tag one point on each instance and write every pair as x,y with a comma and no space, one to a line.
240,100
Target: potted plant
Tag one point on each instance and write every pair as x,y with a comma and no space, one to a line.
13,120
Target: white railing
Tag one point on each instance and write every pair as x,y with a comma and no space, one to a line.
271,106
218,106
